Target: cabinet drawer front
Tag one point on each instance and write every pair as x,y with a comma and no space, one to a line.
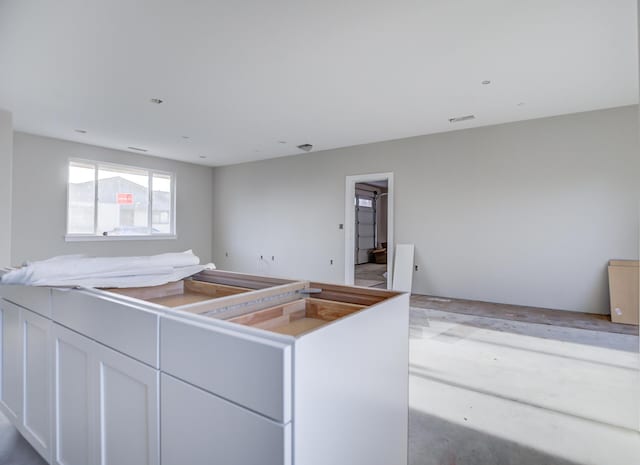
121,326
199,428
247,370
36,299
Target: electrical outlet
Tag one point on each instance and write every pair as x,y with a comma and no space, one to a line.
331,262
261,257
273,258
416,267
226,254
341,226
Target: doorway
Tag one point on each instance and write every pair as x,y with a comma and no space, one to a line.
369,230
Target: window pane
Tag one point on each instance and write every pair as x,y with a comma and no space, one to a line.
161,215
365,202
123,202
80,211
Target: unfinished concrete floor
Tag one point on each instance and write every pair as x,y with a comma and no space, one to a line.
503,386
488,391
14,449
370,275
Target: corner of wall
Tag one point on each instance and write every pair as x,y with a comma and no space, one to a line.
6,177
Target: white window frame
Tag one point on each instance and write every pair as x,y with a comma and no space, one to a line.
97,236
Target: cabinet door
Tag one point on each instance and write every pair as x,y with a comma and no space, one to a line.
11,373
199,428
74,398
128,429
36,379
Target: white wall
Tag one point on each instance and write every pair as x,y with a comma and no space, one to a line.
525,213
40,199
6,156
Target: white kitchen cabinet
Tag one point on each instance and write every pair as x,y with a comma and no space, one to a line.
248,370
106,405
124,327
330,363
222,368
25,395
10,358
75,398
36,299
219,432
36,381
128,425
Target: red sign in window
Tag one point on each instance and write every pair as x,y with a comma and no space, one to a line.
124,199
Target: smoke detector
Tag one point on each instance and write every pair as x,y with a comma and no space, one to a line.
305,147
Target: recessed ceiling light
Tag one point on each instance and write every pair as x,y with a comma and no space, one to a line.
282,142
305,147
81,131
186,137
203,156
458,119
486,82
138,149
157,101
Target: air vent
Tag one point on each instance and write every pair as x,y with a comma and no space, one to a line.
305,147
137,149
461,118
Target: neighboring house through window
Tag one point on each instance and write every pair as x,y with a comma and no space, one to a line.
108,200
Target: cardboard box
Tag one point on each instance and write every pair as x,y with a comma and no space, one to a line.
380,256
624,283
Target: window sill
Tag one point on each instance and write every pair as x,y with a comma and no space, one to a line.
155,237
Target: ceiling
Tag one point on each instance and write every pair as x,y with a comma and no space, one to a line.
244,80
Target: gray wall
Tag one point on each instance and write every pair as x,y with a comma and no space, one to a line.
40,200
525,213
6,155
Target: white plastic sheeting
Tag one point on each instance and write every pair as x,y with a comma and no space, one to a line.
84,271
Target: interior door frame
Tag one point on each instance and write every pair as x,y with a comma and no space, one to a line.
350,218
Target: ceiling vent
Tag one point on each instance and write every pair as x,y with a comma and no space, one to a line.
305,147
458,119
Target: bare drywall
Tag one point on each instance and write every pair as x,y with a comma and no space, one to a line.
524,213
6,156
40,202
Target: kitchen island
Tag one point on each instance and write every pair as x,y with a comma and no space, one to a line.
223,368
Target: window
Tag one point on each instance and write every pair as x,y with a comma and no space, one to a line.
115,201
362,202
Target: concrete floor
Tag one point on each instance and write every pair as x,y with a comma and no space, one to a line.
370,275
496,391
14,450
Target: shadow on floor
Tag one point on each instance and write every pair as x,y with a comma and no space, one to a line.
430,443
14,449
